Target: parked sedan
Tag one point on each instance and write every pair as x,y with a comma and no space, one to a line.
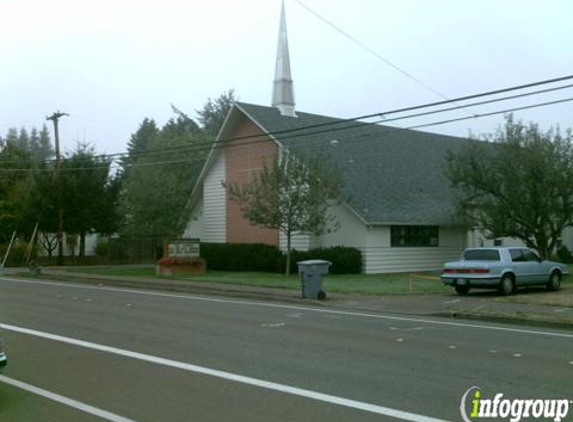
502,268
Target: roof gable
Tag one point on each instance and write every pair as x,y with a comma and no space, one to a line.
391,175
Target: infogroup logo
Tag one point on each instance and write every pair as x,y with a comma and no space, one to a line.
475,407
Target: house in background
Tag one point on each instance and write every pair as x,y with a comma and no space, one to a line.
397,205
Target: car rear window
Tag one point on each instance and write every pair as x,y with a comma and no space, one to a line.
481,255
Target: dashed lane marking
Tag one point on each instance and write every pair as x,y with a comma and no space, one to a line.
273,324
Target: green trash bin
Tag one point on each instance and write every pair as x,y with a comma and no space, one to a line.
311,273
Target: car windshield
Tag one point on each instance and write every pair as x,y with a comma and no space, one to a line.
481,255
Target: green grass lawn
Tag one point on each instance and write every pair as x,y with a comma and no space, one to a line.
371,284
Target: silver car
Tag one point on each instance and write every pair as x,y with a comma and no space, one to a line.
502,268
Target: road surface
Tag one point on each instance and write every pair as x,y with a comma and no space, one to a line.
93,353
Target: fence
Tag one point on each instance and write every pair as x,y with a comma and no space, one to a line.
134,250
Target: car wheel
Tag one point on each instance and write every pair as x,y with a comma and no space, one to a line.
462,290
506,285
554,282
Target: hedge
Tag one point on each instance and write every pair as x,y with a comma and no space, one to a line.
240,257
267,258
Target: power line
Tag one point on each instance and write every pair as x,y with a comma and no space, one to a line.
441,122
509,110
377,55
336,122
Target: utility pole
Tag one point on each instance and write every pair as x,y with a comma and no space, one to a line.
54,118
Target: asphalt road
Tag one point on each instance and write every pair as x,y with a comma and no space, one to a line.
120,355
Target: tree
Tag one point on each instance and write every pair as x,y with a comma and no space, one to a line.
139,141
84,188
520,184
292,195
213,114
162,166
15,185
40,145
156,185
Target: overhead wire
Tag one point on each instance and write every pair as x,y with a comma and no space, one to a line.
361,124
378,56
335,122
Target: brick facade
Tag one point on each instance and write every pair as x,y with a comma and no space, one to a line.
243,159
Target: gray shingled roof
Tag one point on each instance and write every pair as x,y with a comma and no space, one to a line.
391,176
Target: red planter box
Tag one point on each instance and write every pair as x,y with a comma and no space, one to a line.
196,266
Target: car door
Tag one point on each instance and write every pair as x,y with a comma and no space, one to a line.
519,265
535,267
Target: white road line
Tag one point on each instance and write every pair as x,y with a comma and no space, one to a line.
562,310
296,308
309,394
104,414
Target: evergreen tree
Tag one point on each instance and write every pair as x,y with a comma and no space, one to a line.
45,145
139,141
213,114
157,186
12,137
162,166
23,140
85,197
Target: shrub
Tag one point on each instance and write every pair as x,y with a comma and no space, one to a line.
564,254
240,256
267,258
102,247
345,260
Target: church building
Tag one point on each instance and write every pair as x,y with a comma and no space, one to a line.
396,206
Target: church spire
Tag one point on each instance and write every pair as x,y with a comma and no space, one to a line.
283,92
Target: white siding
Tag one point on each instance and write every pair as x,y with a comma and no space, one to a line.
352,231
300,242
567,238
215,203
380,257
478,239
195,227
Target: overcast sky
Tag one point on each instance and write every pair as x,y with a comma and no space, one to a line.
112,63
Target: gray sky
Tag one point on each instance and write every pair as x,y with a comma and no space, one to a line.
112,63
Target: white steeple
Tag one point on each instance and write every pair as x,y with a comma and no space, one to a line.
283,92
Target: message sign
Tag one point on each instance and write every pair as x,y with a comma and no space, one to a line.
183,248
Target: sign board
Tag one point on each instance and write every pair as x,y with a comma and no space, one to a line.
183,248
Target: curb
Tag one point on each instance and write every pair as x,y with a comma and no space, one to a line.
170,287
540,320
537,320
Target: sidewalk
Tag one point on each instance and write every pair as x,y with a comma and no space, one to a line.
479,305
